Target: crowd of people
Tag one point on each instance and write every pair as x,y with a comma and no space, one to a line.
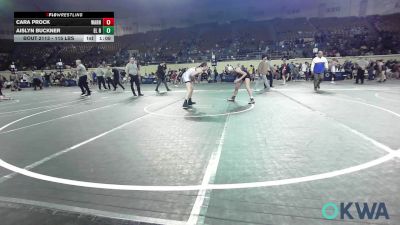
292,71
236,40
288,70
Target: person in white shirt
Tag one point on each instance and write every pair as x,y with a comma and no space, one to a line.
318,67
132,70
82,80
305,68
100,77
188,78
107,75
333,70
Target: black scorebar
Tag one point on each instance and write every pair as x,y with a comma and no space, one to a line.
64,26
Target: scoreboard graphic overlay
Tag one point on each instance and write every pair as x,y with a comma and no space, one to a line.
64,26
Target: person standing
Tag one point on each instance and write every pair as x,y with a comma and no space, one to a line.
333,71
188,77
36,80
132,70
100,77
304,70
251,71
318,67
94,78
271,71
108,77
263,70
82,80
174,78
2,82
348,69
47,79
14,78
362,66
215,74
380,71
117,79
275,73
291,72
161,70
371,70
285,70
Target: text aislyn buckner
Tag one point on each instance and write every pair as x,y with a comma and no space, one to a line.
38,30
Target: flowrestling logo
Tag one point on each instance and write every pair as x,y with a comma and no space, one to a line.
351,210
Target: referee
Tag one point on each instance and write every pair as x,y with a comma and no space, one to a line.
100,77
133,72
82,81
108,74
117,79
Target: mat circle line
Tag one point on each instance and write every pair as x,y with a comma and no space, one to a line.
259,184
146,109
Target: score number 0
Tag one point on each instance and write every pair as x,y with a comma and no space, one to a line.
108,25
108,21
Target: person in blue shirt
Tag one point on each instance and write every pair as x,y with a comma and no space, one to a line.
318,67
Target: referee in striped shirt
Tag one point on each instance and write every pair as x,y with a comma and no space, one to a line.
82,81
133,72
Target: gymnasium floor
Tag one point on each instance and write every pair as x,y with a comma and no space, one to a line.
147,161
